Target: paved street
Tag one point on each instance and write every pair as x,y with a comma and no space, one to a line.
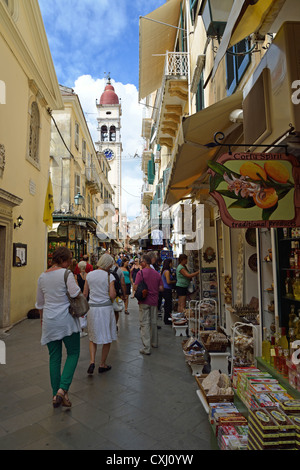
143,403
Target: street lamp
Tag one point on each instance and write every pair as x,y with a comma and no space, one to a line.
215,14
19,222
78,199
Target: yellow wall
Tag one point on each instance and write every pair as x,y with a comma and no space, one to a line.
19,174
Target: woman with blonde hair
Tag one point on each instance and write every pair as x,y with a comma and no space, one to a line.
80,279
99,285
81,276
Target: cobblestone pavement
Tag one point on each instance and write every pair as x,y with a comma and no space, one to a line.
142,403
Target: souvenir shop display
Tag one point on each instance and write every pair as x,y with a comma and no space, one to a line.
244,340
216,386
215,341
194,351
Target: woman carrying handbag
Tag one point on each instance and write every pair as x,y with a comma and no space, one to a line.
58,326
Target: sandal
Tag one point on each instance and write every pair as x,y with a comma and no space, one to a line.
104,369
91,368
57,401
64,399
126,312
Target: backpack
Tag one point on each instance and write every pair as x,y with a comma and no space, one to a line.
142,290
117,282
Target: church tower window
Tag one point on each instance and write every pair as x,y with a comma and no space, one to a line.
112,134
104,134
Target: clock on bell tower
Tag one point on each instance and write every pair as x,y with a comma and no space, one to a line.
109,126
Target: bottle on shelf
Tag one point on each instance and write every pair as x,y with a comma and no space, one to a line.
296,286
292,338
272,351
292,256
292,317
289,285
266,347
284,352
296,255
283,339
297,325
285,361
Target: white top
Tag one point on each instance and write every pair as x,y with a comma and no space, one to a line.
52,299
98,285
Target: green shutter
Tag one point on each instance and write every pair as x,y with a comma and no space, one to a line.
151,170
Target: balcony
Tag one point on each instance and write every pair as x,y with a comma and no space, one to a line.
172,98
147,194
146,156
109,207
146,128
92,180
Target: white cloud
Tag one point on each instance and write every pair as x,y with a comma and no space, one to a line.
89,89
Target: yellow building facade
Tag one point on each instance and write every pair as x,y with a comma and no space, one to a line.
28,88
83,209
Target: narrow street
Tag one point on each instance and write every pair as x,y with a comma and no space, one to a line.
143,403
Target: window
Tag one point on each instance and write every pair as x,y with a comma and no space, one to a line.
13,8
34,134
200,95
236,65
104,134
89,204
112,134
83,150
193,9
77,184
77,135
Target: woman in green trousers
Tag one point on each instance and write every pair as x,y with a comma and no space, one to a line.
58,326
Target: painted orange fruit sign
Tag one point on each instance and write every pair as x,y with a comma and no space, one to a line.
256,190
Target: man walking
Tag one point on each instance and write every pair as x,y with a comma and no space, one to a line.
148,306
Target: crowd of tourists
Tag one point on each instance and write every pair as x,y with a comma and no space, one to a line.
107,286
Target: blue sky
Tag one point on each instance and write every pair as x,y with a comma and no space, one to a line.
88,38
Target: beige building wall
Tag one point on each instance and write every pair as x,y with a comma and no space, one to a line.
29,76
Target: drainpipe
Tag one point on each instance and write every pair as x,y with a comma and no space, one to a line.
188,51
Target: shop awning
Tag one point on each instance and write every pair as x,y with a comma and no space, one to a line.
118,244
190,162
245,19
155,39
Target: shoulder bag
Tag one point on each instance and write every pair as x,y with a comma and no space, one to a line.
142,290
78,305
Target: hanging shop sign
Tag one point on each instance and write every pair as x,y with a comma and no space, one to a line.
166,254
256,189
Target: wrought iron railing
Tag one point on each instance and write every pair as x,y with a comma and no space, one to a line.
177,64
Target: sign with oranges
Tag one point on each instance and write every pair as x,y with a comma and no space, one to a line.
256,189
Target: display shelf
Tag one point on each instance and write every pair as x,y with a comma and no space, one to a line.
267,279
264,366
285,269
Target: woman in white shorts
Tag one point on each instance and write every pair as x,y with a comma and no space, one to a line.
101,321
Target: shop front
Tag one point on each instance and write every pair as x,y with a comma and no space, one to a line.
78,234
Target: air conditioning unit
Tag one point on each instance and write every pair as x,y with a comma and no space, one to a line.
268,108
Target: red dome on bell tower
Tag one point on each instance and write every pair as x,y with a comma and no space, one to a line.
109,96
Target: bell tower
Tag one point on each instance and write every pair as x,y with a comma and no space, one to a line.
109,126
